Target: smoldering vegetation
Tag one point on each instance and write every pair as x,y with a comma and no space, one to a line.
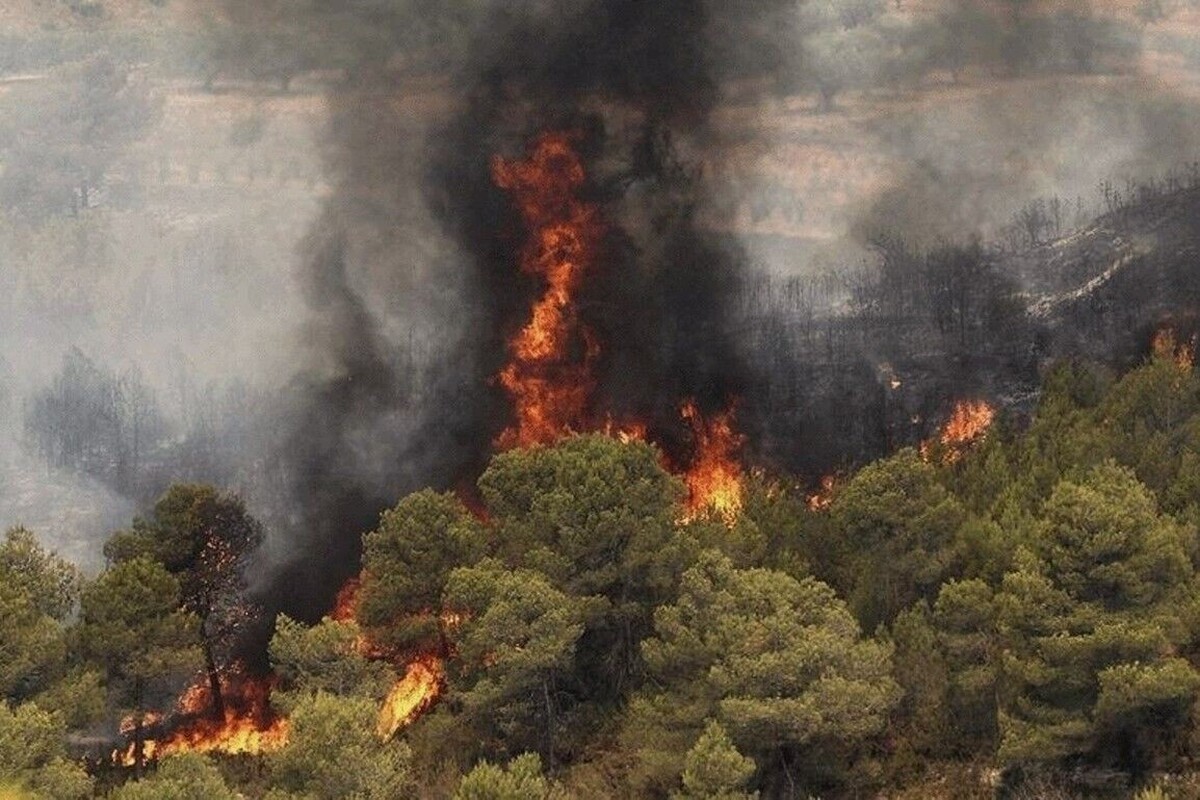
259,244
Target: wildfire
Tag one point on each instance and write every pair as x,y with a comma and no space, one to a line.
548,376
345,605
247,726
423,678
412,695
969,423
714,479
821,500
1167,346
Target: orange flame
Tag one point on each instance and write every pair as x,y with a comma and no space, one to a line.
969,422
412,695
823,499
1166,346
345,605
424,676
248,725
714,479
548,376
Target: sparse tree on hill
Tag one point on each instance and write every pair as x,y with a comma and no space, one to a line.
205,539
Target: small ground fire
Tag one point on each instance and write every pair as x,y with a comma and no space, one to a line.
248,725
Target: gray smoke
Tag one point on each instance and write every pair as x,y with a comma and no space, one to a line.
280,215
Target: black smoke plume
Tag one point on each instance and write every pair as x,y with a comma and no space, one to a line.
413,279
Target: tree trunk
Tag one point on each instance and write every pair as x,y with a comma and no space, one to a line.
139,731
549,726
214,680
787,772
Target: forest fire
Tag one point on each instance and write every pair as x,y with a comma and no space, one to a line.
821,500
423,678
714,479
968,423
1167,346
248,725
345,605
411,695
549,376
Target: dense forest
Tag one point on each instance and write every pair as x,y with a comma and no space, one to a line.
1015,612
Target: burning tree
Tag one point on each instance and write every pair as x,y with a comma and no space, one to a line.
203,538
551,373
549,376
714,479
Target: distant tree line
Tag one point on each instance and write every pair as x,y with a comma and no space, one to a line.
115,428
103,424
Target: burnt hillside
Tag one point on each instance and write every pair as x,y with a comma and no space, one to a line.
854,365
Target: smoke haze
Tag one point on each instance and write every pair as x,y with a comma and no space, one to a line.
273,234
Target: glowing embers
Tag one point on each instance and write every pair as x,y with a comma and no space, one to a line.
1166,346
345,605
242,723
968,424
714,479
412,695
821,500
548,376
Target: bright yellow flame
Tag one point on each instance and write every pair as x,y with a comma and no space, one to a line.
714,479
412,694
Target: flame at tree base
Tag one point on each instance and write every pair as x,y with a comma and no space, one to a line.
248,726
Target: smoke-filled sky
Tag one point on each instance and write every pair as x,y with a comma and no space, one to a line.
277,217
